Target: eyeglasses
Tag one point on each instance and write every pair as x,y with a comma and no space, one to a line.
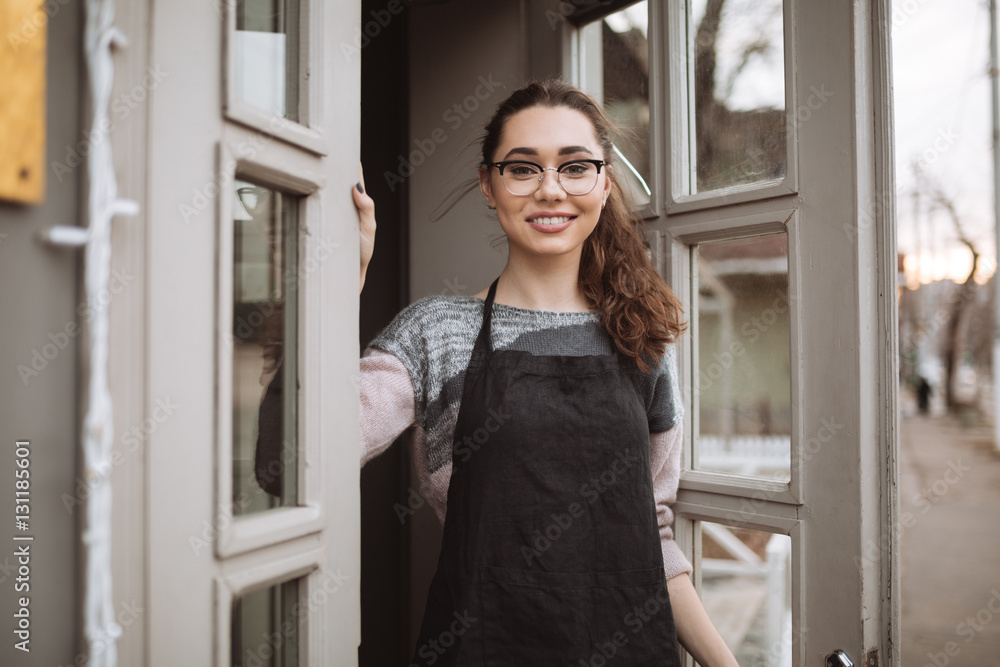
577,177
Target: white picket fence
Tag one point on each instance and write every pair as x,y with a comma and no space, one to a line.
744,454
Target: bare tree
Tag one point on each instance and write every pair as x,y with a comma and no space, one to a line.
733,146
966,290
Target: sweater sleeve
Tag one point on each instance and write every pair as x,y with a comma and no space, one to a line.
387,401
666,407
665,460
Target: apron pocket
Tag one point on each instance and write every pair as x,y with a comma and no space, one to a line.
570,619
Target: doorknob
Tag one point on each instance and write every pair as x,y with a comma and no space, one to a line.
838,659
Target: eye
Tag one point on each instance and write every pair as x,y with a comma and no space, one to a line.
522,170
577,169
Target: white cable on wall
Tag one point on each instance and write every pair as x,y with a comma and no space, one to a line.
101,631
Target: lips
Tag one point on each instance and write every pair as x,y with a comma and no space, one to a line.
550,221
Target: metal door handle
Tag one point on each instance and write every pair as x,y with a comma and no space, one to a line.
838,659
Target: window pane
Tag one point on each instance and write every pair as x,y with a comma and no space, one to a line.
620,44
265,247
738,84
746,589
266,55
744,388
265,632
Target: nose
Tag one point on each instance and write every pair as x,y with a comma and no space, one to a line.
550,188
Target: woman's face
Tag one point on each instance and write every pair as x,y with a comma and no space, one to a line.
547,136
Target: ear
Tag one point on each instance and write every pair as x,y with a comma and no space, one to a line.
608,175
485,186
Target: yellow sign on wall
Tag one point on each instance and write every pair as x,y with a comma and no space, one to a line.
22,100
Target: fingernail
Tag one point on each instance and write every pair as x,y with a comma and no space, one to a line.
360,189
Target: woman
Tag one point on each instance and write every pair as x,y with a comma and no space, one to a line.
546,416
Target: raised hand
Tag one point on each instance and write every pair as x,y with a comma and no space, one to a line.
366,221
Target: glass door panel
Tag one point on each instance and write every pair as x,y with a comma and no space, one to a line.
744,377
265,627
266,55
264,330
737,80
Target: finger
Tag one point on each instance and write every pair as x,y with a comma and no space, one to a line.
362,201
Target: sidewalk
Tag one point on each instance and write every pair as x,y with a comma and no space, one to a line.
950,497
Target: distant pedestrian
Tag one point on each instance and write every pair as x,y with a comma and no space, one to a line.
924,392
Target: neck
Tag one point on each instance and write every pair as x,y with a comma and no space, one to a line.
542,283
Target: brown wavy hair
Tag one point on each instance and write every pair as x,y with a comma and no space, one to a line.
638,309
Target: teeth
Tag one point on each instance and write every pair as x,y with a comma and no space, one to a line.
551,221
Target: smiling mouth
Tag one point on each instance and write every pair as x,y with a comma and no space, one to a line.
558,220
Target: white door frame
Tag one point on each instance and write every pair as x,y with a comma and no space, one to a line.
840,506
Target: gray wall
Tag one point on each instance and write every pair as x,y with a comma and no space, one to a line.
39,300
465,58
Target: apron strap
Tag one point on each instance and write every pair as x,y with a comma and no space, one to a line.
484,341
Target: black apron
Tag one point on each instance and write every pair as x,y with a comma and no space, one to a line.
551,552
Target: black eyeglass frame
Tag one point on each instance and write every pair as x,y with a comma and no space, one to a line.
506,163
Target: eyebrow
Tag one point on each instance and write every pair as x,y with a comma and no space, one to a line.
565,150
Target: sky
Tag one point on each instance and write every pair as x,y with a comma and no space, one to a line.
942,123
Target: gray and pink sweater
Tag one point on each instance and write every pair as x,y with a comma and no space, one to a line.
413,371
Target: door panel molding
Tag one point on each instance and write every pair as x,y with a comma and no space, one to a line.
229,586
309,134
238,534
